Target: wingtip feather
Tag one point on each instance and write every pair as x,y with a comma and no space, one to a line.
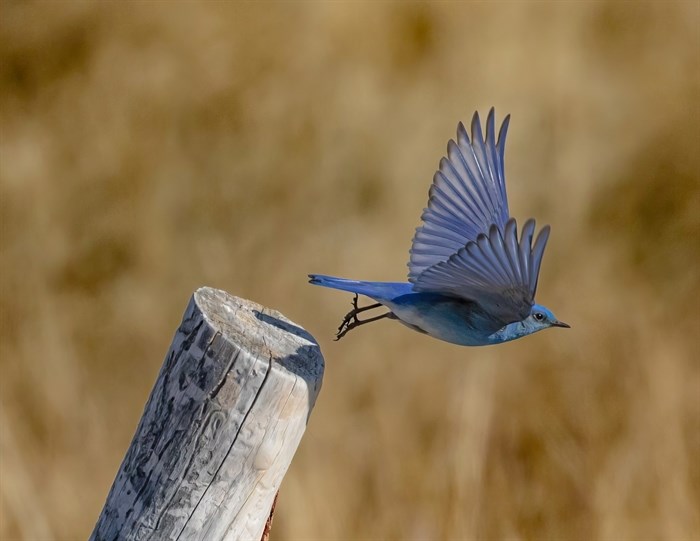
477,135
502,133
491,127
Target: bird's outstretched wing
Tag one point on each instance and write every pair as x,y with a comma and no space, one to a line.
467,196
495,270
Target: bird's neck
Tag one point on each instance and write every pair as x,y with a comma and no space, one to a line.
509,332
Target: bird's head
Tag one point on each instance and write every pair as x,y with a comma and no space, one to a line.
539,318
542,318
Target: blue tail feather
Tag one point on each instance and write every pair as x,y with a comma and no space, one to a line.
380,291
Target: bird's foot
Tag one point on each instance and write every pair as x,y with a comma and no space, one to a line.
350,321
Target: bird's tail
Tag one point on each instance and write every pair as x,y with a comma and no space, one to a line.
376,290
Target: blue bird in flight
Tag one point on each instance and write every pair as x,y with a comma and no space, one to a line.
471,281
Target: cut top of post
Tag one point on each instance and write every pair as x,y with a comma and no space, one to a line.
262,332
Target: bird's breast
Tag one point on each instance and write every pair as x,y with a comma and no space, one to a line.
445,318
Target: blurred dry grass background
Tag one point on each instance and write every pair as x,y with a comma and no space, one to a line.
151,148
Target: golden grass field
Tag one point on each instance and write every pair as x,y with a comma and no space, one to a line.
151,148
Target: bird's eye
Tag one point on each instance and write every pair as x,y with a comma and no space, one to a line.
539,316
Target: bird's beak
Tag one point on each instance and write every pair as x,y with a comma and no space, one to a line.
561,324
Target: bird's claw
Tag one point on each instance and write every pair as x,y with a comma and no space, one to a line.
350,321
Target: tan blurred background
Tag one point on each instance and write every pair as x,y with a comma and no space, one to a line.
151,148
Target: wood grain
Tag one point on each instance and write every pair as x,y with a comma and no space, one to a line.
220,427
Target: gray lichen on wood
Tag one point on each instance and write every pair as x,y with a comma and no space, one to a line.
220,428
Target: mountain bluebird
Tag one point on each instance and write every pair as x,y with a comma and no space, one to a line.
471,281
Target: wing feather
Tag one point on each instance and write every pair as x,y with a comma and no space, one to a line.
536,257
501,145
525,247
481,153
468,247
511,238
467,196
497,271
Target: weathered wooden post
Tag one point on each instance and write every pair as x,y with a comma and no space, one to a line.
220,428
